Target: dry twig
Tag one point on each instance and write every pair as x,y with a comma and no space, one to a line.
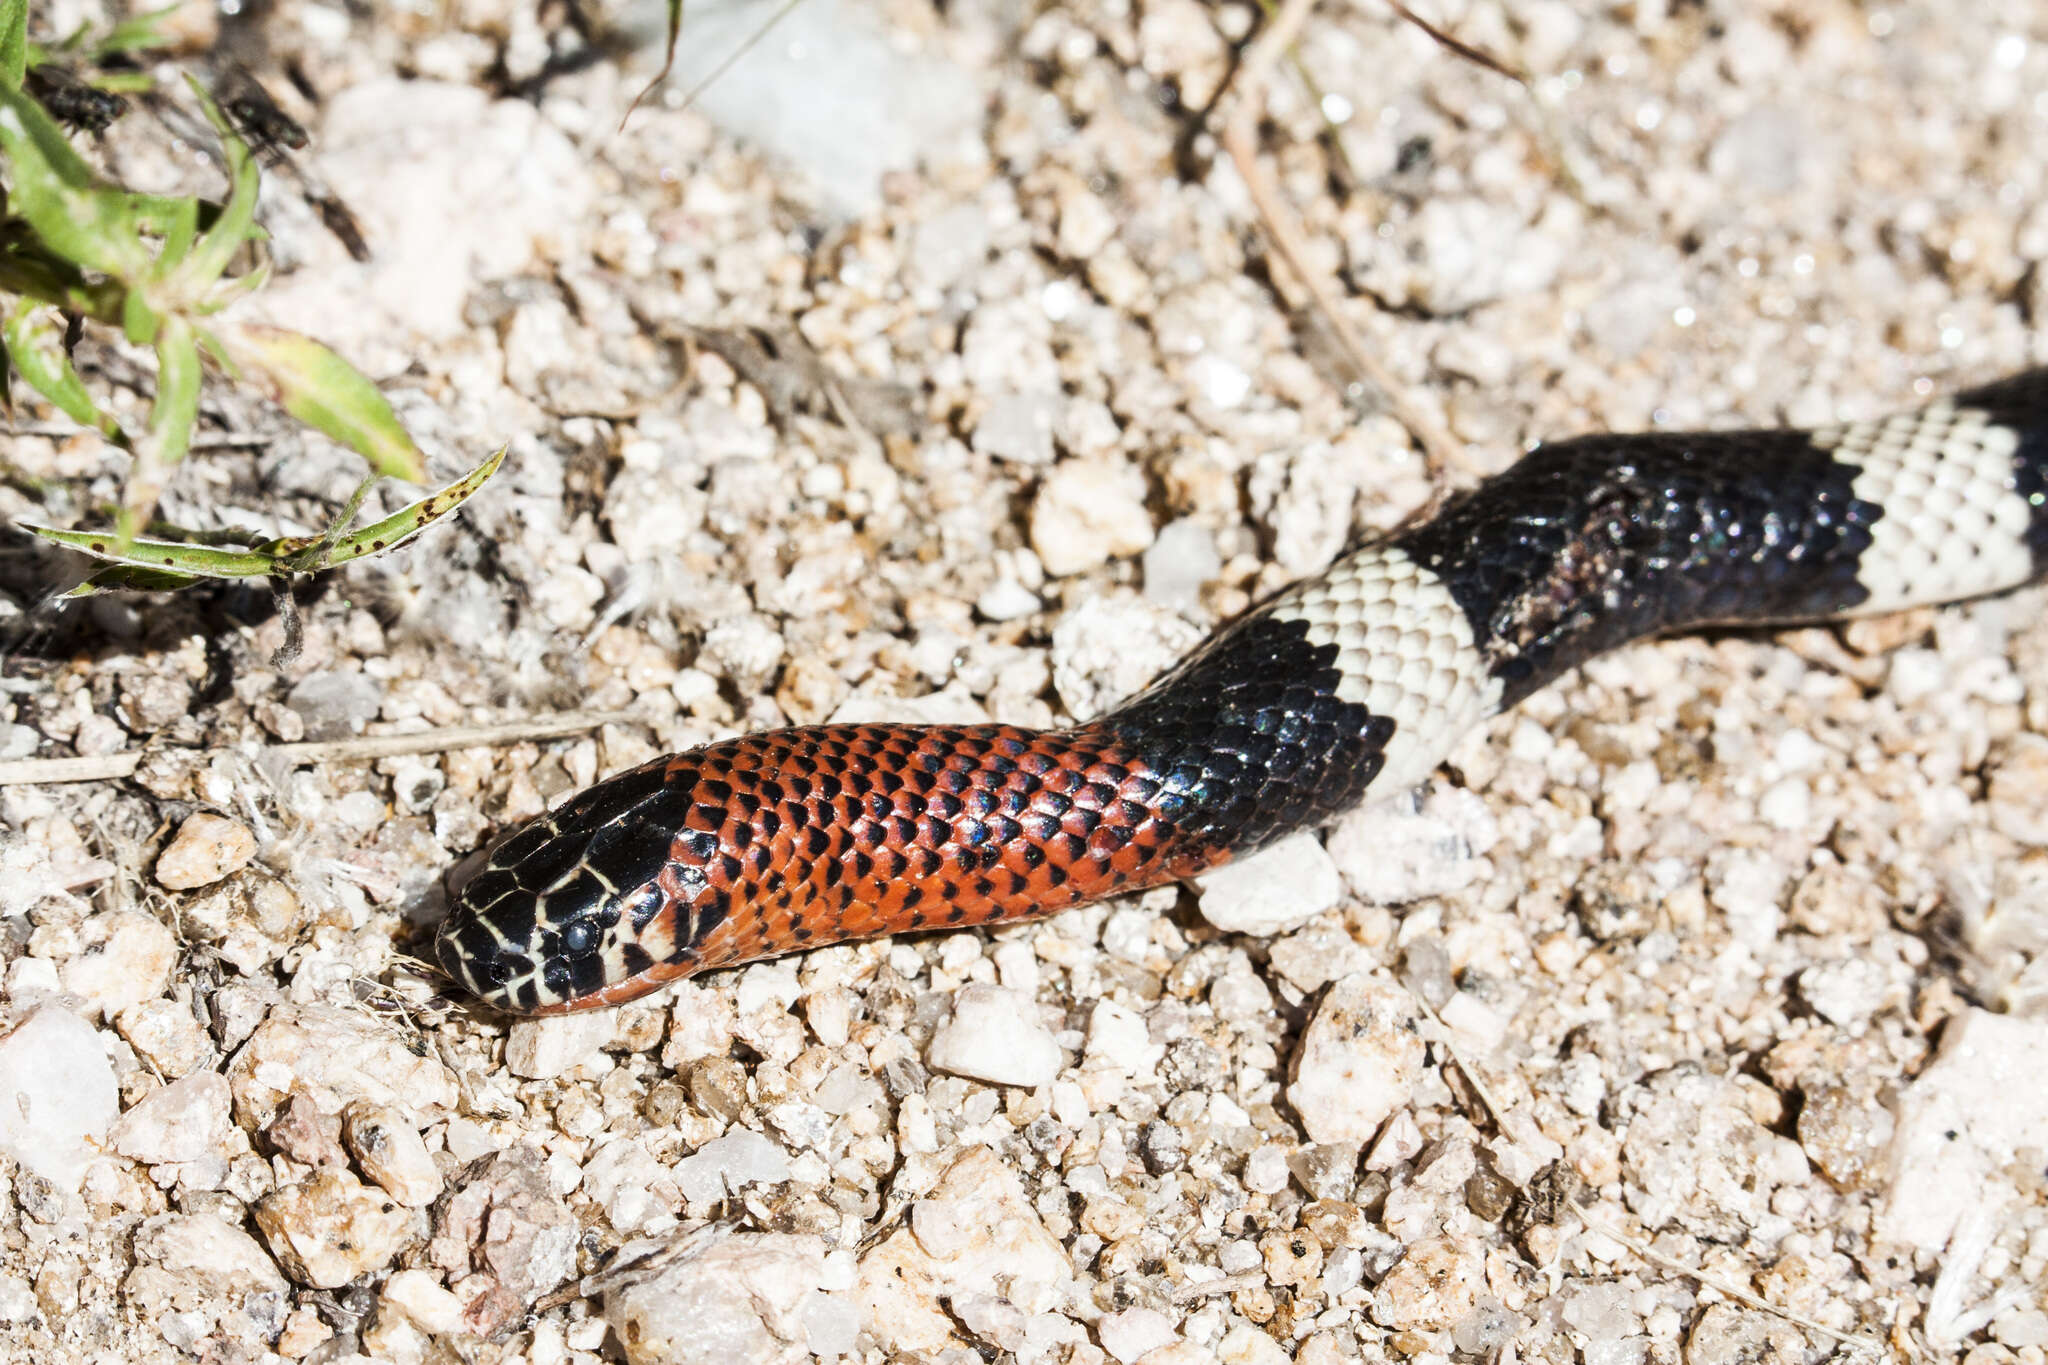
107,767
1240,139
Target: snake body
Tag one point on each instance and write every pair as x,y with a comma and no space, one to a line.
1359,679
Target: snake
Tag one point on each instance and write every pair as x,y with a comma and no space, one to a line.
1352,683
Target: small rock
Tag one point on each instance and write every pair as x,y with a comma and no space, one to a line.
1118,1038
1436,1284
1018,427
726,1165
128,957
995,1035
1845,993
309,1137
552,1045
636,1192
1110,647
165,1035
2018,790
730,1297
1087,513
1358,1060
503,1220
1180,563
187,1120
1961,1123
1247,1345
207,847
1392,853
1274,890
1006,600
388,1149
336,705
333,1056
425,1301
1133,1332
1727,1335
57,1095
976,1232
207,1258
332,1228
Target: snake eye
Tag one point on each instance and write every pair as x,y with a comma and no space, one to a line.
579,937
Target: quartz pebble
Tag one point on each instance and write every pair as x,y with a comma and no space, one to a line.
1393,852
737,1297
1087,513
1134,1332
185,1121
995,1035
388,1149
1276,889
332,1228
552,1045
333,1056
57,1095
1358,1059
1960,1123
206,848
127,959
975,1231
727,1165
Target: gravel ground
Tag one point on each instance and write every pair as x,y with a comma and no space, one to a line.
1710,979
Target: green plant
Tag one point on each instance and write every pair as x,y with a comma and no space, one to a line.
76,249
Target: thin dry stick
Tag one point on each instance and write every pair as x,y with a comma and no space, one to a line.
109,766
1240,139
1727,1287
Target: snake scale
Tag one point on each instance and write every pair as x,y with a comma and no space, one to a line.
1360,679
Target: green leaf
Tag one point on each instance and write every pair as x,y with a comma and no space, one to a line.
123,576
36,347
13,42
235,224
201,561
177,391
325,392
402,525
74,215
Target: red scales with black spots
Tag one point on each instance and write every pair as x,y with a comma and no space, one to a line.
770,843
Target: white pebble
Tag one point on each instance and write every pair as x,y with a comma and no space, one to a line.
1392,854
57,1095
1274,890
186,1120
1358,1060
543,1048
1180,563
995,1035
739,1298
1133,1332
128,960
1110,647
207,847
1018,427
1118,1038
1088,512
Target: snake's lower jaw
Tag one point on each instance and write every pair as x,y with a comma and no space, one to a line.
618,993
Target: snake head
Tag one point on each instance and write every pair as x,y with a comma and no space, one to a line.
581,907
